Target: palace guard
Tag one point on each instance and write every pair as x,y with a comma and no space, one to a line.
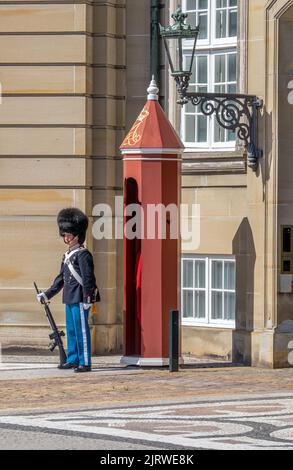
77,279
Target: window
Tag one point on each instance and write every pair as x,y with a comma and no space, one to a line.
224,82
217,20
198,14
226,19
222,290
208,291
195,124
214,69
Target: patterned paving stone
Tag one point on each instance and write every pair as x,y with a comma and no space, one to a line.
261,423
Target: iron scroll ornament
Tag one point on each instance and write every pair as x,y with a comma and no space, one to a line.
237,113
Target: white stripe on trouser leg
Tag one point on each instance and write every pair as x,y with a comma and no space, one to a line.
85,349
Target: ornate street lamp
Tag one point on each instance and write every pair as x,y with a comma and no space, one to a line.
179,31
234,112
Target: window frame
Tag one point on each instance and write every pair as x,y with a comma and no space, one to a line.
210,144
212,41
229,145
209,47
207,321
200,42
201,321
231,40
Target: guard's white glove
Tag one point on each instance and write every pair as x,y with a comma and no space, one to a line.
86,306
42,297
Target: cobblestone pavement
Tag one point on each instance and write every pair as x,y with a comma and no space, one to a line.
201,407
239,424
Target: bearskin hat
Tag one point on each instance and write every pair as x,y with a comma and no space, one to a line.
74,221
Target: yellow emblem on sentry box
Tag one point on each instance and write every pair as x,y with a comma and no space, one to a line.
133,137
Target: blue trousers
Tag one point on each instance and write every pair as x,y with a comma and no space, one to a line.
78,335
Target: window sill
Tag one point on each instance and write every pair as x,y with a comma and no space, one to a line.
220,326
220,161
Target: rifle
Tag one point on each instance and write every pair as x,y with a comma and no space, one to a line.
56,335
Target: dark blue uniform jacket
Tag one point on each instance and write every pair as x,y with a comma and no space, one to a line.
73,292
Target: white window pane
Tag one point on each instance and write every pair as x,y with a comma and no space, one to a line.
192,19
232,68
203,4
221,3
217,306
217,275
202,69
231,88
233,24
186,65
220,89
199,274
190,128
191,5
203,25
188,273
192,88
231,136
202,89
229,306
220,68
189,108
200,304
187,61
219,133
222,63
229,276
187,304
221,24
202,129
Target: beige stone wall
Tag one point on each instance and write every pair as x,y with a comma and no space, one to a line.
224,231
223,206
269,193
138,57
263,203
109,86
43,148
207,342
62,72
285,140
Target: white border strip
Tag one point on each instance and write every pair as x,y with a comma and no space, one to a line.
153,151
152,159
147,361
84,337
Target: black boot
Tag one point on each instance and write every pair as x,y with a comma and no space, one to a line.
83,369
67,365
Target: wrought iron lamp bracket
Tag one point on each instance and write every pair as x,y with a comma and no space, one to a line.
233,112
